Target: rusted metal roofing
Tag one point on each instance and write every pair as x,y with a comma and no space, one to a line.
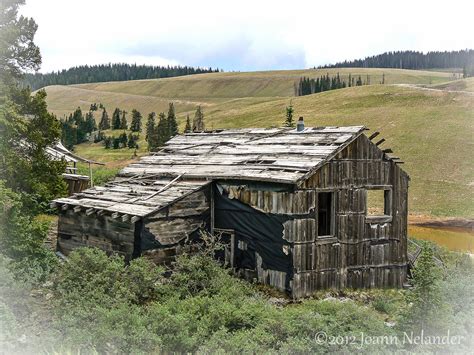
188,162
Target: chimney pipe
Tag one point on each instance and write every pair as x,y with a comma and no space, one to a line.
300,125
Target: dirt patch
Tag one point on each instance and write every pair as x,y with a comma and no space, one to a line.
454,224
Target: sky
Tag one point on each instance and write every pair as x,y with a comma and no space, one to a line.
242,35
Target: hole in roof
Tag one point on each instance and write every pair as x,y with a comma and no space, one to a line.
260,161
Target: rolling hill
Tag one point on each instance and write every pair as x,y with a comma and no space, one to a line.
456,85
431,130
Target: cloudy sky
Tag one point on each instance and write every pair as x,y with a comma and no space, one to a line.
242,35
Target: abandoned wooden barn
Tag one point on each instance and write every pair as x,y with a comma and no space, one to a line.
294,205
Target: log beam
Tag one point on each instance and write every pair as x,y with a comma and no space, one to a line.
89,211
373,135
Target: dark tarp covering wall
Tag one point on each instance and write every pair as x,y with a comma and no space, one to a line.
262,232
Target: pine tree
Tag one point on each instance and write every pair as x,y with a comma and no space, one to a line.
162,130
289,116
198,122
123,121
116,121
136,125
171,121
132,141
90,124
108,142
150,126
68,134
188,128
104,121
123,139
78,120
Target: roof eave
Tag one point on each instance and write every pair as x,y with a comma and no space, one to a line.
299,182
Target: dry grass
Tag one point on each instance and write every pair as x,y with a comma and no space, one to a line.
430,130
456,85
207,87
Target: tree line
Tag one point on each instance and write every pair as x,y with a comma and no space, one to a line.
412,60
78,128
158,132
108,72
308,86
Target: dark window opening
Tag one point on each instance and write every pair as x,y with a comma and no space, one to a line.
325,214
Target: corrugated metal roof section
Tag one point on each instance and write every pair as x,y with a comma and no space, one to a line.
280,155
130,198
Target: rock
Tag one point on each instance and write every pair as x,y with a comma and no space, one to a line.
48,284
278,301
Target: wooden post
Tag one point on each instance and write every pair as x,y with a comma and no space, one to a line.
90,174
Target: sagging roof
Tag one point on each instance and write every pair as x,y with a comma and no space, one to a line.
190,161
59,151
280,155
127,198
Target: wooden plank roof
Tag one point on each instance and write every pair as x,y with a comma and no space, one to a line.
125,198
188,162
280,155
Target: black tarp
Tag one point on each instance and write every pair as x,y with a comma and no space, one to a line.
262,232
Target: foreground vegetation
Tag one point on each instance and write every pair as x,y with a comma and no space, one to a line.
98,303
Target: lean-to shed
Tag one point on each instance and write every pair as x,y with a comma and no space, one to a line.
300,210
75,181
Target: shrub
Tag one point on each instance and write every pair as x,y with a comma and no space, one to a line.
90,277
22,239
426,304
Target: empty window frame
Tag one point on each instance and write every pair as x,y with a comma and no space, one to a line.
325,214
379,202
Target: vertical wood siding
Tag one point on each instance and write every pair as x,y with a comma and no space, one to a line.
364,252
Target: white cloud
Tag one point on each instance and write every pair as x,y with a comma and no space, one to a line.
242,35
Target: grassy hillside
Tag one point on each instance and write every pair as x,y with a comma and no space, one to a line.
430,130
206,89
256,84
456,85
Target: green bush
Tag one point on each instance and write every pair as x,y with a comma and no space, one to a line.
90,277
109,306
22,239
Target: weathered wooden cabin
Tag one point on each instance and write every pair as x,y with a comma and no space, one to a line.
76,182
294,205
